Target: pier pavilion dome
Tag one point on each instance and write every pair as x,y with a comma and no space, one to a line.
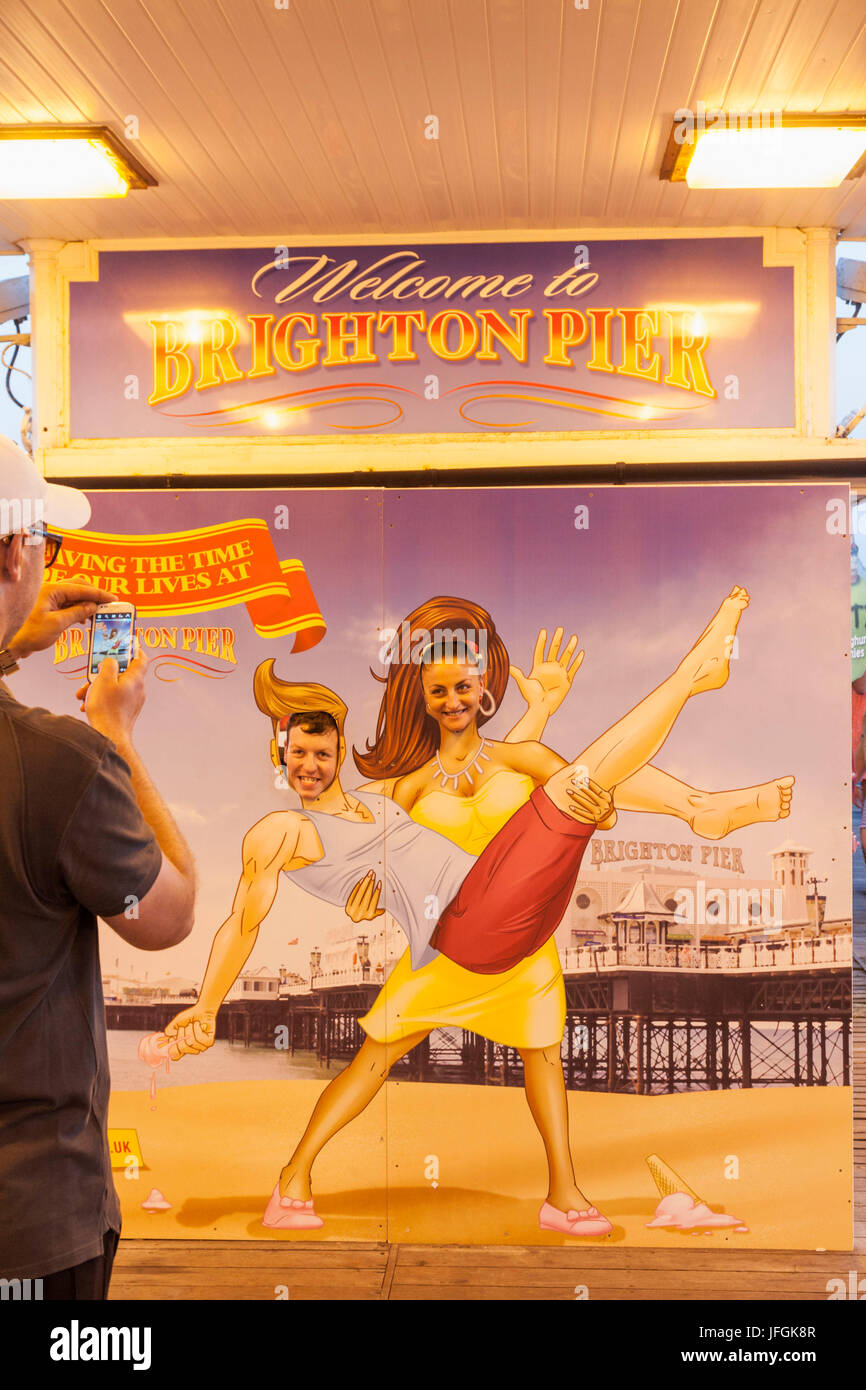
640,917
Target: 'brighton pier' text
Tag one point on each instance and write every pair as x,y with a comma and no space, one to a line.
206,354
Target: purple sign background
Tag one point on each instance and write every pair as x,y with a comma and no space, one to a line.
720,284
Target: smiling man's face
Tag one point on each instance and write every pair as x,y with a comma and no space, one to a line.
311,761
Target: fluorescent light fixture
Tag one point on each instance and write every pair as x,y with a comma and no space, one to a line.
57,161
760,149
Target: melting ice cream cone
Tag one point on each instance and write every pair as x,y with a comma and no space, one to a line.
680,1208
666,1180
152,1049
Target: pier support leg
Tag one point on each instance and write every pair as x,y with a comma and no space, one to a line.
611,1052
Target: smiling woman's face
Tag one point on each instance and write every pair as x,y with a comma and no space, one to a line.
452,693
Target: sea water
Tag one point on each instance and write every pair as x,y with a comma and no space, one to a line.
224,1061
772,1051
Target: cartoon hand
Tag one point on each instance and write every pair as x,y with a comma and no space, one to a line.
363,902
192,1031
550,677
592,804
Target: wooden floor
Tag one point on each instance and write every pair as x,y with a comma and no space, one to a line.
237,1270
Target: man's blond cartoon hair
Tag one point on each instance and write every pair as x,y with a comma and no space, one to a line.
280,699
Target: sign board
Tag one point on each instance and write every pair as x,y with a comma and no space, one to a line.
481,337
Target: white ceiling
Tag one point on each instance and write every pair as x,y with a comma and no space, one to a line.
310,120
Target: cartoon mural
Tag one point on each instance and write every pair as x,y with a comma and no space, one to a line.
442,925
495,923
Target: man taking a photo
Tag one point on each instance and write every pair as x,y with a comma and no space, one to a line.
83,833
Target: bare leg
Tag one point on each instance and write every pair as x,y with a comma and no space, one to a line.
630,743
546,1095
709,814
344,1098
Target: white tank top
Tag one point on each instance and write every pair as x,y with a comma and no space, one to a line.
420,869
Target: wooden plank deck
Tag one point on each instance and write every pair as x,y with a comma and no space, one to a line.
238,1270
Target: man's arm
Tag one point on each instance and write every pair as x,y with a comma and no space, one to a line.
112,703
269,848
157,814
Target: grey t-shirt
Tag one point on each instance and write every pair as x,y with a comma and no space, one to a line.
73,845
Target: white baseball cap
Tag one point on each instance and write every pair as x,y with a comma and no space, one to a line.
29,499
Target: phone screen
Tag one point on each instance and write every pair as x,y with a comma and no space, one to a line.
112,636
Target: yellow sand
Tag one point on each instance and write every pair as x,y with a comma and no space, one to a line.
215,1152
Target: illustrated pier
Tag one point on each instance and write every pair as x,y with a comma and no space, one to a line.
630,1030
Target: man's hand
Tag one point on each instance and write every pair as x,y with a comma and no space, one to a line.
57,607
192,1031
592,804
550,677
363,901
113,702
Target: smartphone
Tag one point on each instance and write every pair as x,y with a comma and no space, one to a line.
112,633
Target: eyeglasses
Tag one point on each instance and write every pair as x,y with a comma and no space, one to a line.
53,542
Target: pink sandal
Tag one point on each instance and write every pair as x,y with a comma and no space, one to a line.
290,1214
574,1223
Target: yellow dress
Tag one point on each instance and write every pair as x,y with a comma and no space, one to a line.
523,1007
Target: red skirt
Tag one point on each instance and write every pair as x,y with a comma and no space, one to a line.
514,896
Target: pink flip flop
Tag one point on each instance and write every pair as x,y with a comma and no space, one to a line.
290,1214
573,1223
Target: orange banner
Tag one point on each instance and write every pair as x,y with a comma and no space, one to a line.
188,572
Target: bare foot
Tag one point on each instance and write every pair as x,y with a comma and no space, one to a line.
720,813
707,664
294,1183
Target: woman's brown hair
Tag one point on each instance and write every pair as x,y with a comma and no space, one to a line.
406,735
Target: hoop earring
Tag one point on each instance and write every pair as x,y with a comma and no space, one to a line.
488,713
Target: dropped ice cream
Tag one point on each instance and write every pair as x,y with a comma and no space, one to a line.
680,1208
679,1211
155,1201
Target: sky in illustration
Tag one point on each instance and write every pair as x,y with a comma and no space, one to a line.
637,578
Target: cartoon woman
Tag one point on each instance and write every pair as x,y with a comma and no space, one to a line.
430,756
